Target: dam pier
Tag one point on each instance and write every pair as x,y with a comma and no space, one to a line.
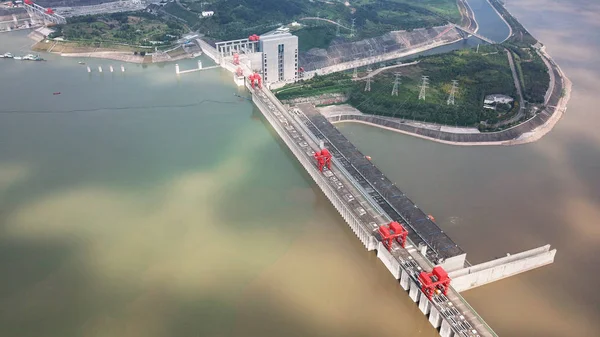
430,267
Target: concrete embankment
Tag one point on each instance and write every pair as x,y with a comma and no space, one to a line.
379,58
110,55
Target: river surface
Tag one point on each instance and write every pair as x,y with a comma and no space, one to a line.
142,204
498,200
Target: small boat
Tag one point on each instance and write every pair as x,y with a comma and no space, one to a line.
7,55
31,57
80,62
17,58
368,157
56,93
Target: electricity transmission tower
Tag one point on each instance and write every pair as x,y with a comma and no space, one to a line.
452,92
355,74
423,87
368,86
396,84
352,28
337,31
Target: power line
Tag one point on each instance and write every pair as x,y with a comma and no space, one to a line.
423,87
145,107
452,92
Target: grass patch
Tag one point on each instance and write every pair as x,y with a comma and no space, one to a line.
240,18
315,37
188,16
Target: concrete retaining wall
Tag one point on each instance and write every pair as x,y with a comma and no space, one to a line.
389,261
509,134
324,99
209,50
478,275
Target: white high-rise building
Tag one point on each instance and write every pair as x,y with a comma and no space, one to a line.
279,56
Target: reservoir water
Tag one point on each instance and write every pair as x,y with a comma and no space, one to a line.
142,204
498,200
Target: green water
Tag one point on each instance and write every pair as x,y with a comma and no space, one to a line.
143,204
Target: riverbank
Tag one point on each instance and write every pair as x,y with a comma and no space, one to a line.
118,52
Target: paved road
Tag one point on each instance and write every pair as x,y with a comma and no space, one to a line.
521,112
378,70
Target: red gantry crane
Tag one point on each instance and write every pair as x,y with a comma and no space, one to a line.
323,158
255,78
436,280
391,232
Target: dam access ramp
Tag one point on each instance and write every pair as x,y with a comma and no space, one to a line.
427,263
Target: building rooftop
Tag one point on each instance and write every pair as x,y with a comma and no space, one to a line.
275,34
494,97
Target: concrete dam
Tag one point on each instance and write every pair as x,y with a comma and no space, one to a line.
428,264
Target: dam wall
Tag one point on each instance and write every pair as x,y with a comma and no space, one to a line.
449,314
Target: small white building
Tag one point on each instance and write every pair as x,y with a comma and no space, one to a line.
497,98
206,14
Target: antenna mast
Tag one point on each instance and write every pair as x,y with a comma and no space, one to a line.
423,87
